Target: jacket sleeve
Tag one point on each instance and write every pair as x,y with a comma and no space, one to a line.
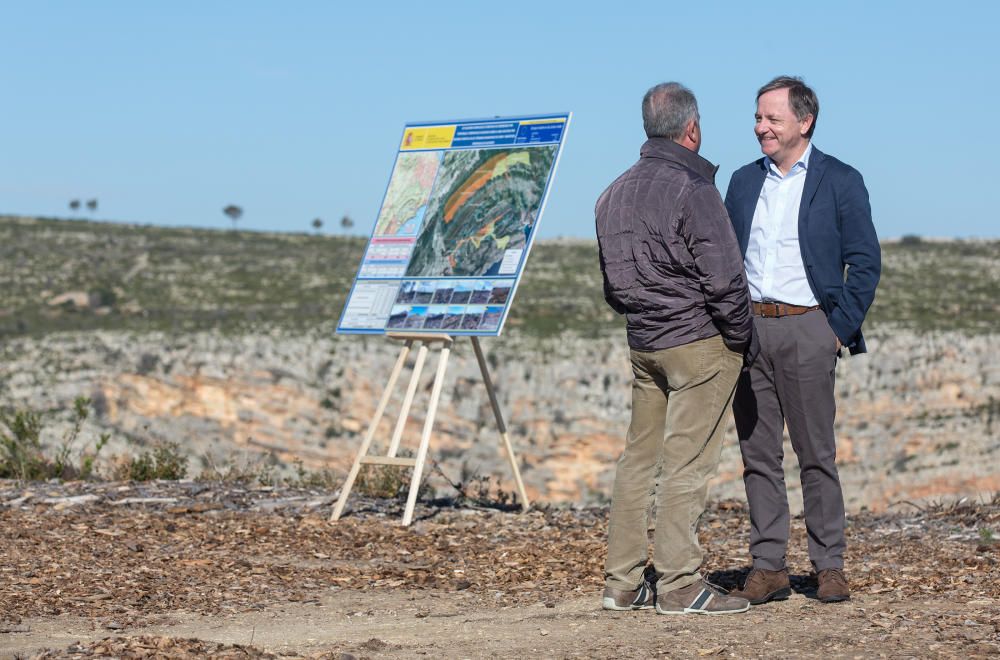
861,253
709,236
609,295
600,218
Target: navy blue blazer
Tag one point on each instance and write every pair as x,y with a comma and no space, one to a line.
839,247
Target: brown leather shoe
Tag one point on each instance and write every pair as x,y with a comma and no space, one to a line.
762,586
832,586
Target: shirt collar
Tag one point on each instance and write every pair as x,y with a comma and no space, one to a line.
802,163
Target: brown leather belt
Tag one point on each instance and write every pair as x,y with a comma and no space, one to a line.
774,310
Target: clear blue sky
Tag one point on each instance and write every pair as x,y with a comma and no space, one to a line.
168,111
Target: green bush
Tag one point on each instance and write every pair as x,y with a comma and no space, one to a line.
389,482
164,460
22,450
475,489
312,479
23,457
259,470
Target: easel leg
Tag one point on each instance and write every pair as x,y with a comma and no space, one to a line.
363,450
425,437
404,412
525,505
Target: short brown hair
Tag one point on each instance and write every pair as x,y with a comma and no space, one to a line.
800,96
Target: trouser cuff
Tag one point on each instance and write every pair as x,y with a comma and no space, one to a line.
829,562
620,585
678,583
769,564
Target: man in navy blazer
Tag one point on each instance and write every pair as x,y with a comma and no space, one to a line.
804,226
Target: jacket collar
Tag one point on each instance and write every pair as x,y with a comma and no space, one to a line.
669,150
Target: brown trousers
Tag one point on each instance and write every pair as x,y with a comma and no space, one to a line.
680,396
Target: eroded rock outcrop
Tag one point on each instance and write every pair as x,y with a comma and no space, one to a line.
918,416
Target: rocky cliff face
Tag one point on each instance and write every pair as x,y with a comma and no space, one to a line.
220,340
918,416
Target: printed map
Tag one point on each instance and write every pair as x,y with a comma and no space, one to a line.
457,219
484,203
406,199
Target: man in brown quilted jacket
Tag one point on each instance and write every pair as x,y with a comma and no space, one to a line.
672,266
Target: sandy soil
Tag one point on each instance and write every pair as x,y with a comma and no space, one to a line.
264,574
435,624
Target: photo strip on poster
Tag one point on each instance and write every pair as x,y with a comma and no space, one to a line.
456,224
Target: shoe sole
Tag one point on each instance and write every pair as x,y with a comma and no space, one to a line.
688,610
610,604
780,594
834,599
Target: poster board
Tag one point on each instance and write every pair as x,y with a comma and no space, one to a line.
455,227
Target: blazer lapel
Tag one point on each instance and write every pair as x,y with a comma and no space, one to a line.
817,168
754,186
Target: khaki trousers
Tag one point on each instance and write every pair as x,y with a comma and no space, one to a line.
680,396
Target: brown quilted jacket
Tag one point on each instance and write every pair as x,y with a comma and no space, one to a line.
669,256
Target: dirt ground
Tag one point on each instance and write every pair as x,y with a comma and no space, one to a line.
194,570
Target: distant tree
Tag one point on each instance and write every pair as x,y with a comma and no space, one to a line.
74,205
317,224
234,213
911,239
346,222
91,205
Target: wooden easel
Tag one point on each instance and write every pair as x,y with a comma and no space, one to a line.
417,463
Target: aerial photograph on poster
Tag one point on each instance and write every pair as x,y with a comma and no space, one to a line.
435,316
482,209
424,292
415,317
491,319
442,294
406,199
453,318
462,293
482,291
499,294
406,292
397,318
473,314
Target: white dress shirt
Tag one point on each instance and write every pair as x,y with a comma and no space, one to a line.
773,261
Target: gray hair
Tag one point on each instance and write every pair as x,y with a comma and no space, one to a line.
800,97
667,109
